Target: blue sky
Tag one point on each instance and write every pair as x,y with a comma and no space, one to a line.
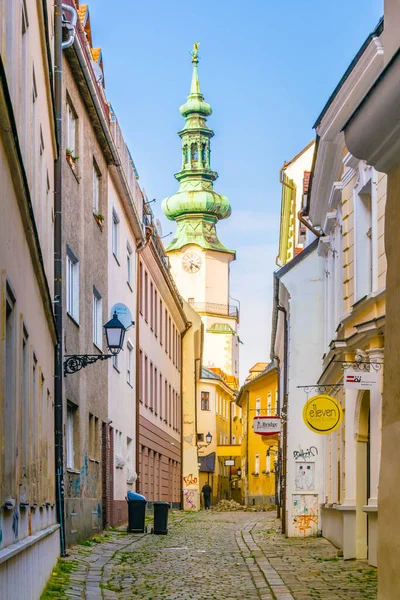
267,68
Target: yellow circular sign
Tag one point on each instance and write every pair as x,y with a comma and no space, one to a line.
322,414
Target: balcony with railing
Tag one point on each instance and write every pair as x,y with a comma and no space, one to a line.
225,310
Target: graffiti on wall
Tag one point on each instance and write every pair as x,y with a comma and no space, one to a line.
305,454
190,499
305,514
305,476
190,480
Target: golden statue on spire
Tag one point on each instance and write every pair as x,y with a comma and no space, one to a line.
195,53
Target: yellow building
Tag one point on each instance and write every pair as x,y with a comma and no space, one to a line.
258,397
219,416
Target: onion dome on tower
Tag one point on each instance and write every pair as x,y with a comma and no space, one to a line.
196,207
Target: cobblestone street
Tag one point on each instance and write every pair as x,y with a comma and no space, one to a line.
211,555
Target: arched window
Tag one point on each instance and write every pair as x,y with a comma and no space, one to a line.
185,154
195,153
203,154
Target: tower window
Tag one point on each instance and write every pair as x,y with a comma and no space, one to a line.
195,153
185,154
203,154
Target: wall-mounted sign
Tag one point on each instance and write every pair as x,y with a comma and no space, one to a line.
322,414
267,425
361,380
229,462
123,313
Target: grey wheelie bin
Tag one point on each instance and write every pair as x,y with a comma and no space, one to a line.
161,517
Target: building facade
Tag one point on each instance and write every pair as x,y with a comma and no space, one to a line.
29,533
161,324
259,456
86,156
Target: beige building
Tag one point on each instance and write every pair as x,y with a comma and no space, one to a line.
347,203
371,134
160,325
29,534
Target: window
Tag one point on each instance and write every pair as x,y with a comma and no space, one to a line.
129,264
160,404
269,404
146,381
146,299
166,331
258,407
129,363
165,401
233,439
220,438
151,400
161,330
129,461
24,78
268,462
151,306
97,318
141,288
257,465
205,400
169,337
140,375
25,404
10,416
94,441
71,129
155,313
200,437
72,285
96,189
155,391
363,242
115,361
70,436
118,449
115,234
169,405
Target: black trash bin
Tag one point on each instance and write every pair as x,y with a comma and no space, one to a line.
136,512
161,518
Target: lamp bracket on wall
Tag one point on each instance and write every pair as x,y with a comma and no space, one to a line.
323,388
76,362
360,365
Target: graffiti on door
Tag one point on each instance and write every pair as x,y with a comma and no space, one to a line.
305,514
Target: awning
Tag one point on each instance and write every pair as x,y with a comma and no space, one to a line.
207,463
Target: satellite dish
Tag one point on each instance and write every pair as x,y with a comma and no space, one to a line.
98,73
159,227
123,314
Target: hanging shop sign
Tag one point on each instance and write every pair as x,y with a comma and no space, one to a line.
229,462
267,425
322,414
361,380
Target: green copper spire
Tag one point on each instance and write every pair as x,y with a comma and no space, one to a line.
196,207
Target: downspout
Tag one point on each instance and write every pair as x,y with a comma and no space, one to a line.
301,216
284,415
188,326
137,378
278,462
246,489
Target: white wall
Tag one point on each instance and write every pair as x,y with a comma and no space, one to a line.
121,394
304,284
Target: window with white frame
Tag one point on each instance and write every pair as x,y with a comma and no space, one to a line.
233,439
70,436
269,404
71,127
258,407
97,318
268,462
129,264
115,360
115,233
72,285
257,464
220,438
364,242
96,189
129,363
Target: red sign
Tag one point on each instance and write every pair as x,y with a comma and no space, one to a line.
267,425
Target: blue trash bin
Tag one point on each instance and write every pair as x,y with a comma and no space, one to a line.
136,512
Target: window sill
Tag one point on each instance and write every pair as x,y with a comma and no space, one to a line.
116,258
95,460
129,286
130,385
74,471
116,368
72,167
99,223
75,322
98,347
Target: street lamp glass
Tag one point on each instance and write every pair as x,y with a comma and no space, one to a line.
115,333
208,438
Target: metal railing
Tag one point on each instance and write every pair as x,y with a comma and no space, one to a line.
226,310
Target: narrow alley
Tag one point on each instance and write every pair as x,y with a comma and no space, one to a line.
210,555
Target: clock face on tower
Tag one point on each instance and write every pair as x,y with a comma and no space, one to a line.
191,262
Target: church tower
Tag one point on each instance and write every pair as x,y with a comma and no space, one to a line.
199,261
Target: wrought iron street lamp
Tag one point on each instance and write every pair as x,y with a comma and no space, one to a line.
115,334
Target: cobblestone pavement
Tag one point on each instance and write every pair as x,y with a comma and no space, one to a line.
220,556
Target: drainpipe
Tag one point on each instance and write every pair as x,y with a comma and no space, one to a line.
137,378
188,326
284,416
301,216
69,25
278,462
246,489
